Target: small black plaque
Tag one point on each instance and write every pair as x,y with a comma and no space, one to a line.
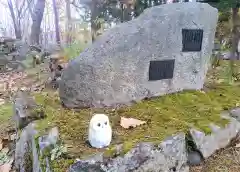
192,40
161,70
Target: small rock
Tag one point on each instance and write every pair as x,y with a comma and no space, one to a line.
194,158
50,139
85,167
26,110
235,113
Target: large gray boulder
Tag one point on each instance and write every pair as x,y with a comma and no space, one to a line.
149,56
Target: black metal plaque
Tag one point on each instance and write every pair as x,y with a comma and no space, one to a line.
192,40
159,70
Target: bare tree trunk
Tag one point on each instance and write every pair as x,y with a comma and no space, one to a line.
68,23
234,43
56,21
36,21
94,14
17,27
235,34
122,13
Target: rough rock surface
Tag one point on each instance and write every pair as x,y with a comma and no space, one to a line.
26,157
220,137
115,68
235,113
170,155
194,158
26,110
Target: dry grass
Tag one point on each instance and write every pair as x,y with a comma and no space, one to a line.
225,160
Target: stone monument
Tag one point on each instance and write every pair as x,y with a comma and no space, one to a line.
165,50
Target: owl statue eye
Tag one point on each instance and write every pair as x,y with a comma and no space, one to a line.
105,123
98,124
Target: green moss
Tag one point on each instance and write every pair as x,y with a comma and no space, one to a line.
74,49
110,152
165,116
6,112
61,165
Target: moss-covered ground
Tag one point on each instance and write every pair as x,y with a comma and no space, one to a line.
165,116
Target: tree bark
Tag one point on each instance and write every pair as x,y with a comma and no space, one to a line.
36,21
17,27
234,43
68,23
94,14
235,32
56,21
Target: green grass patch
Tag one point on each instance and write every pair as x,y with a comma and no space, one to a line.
74,49
6,112
6,120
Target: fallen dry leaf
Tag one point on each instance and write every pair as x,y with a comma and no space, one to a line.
130,122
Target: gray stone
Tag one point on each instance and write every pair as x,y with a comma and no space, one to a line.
114,69
26,158
235,113
194,158
26,109
170,155
225,55
90,164
217,47
219,138
85,167
132,160
50,139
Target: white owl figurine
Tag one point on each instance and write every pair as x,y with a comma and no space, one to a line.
100,131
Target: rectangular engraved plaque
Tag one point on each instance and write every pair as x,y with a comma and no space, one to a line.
192,40
159,70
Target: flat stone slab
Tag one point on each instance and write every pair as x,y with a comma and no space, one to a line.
220,137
